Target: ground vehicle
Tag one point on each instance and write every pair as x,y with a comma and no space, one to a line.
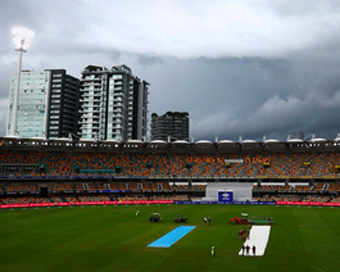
180,219
258,220
155,217
240,220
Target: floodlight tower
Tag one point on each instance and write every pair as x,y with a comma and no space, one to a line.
22,39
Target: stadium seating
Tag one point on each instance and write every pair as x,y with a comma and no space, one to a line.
156,175
200,165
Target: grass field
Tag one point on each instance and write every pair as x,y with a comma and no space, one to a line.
112,238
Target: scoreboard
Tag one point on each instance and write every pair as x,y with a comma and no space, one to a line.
226,196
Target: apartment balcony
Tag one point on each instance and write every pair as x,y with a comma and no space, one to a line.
118,84
117,122
86,84
69,111
85,111
97,94
118,91
89,98
118,105
91,78
85,91
84,127
86,116
69,104
117,110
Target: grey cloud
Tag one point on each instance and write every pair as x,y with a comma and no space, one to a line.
229,97
5,78
303,7
252,95
147,60
3,115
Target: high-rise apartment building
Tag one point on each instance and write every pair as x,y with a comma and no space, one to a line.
113,104
47,104
171,126
63,105
138,109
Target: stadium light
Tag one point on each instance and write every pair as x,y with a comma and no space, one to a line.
22,39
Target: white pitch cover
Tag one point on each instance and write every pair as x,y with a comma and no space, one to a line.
258,237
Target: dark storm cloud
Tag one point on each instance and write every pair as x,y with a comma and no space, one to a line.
252,97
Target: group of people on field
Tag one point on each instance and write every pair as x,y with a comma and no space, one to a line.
246,234
246,250
207,221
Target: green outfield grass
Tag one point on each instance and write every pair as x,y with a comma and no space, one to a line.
112,238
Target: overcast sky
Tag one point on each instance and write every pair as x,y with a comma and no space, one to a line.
240,68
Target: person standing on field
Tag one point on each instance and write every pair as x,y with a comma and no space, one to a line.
247,249
213,250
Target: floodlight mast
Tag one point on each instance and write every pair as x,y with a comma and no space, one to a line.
22,39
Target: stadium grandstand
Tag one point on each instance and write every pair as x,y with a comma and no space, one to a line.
48,172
